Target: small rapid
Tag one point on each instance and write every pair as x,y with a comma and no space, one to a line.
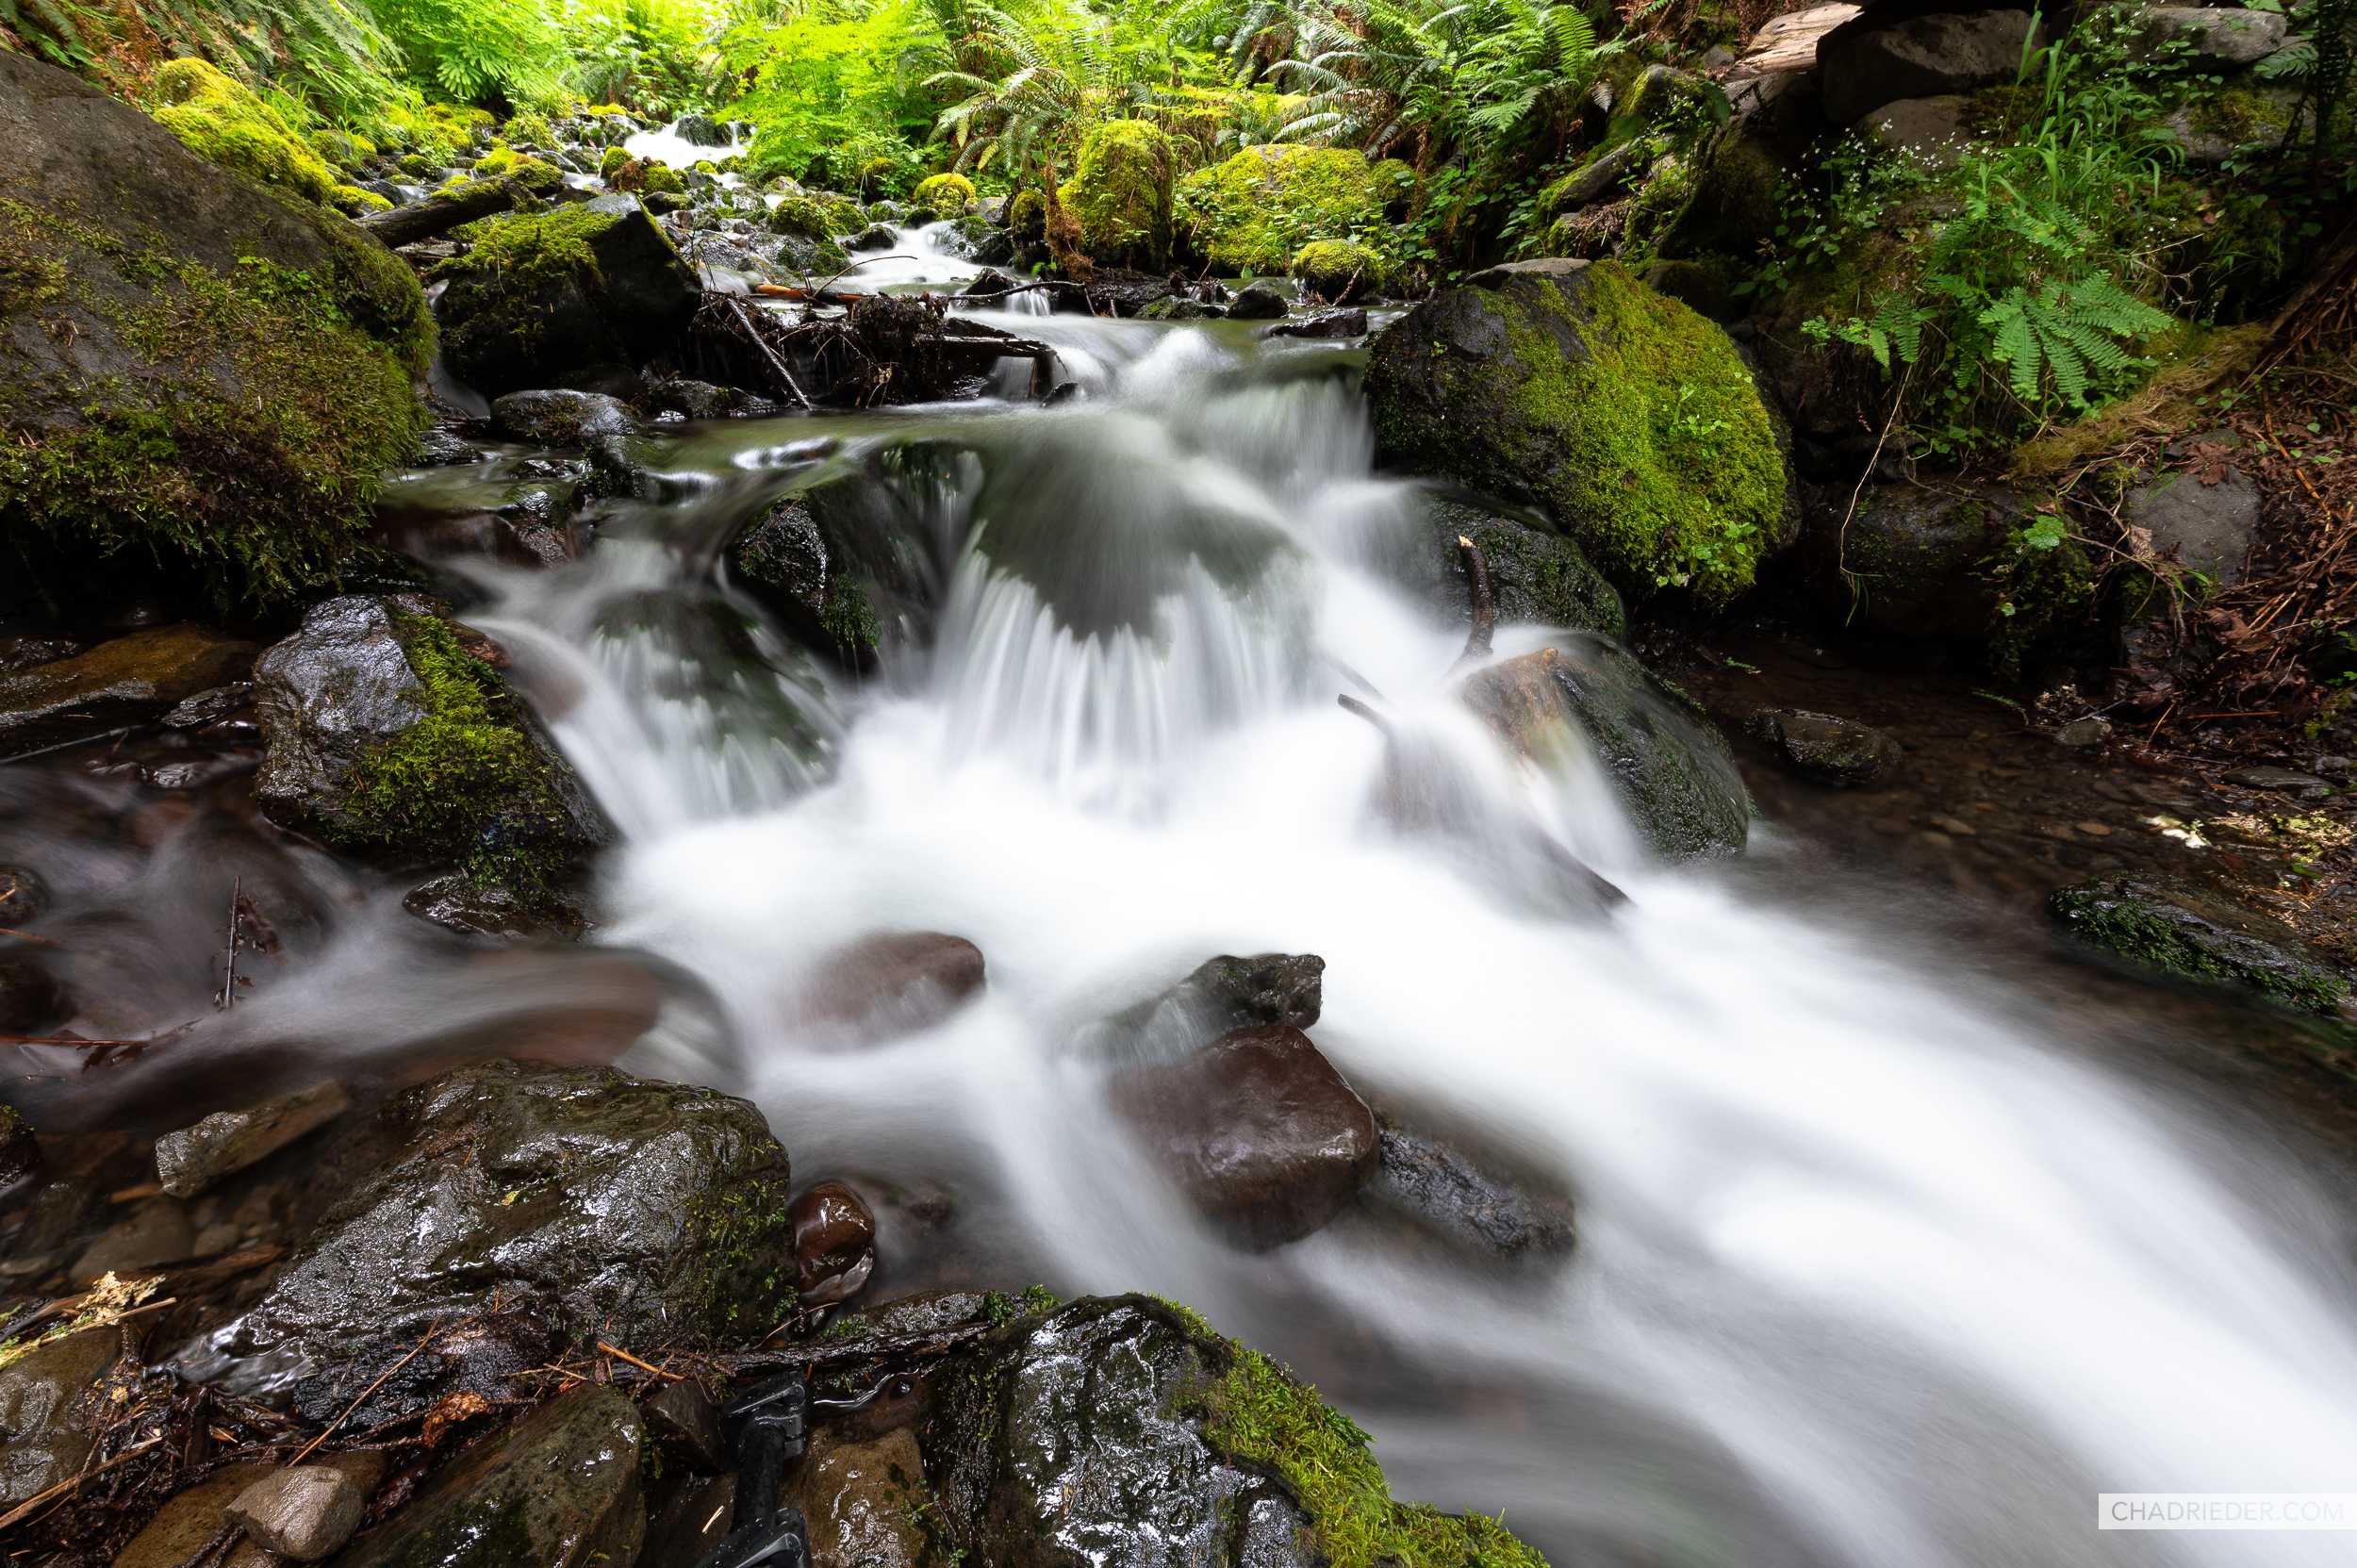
1874,1267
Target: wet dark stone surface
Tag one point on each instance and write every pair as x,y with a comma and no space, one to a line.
1079,1439
1256,1128
834,1242
47,1412
1535,575
1832,750
1464,1200
127,680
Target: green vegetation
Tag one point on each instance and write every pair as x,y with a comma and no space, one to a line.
1253,213
1338,271
1120,193
219,118
943,195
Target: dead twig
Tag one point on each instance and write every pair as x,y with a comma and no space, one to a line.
26,1507
622,1355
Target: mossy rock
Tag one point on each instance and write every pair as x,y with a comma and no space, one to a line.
569,297
1027,219
206,376
1338,271
1126,1429
536,174
1253,213
218,118
1629,418
390,739
943,195
2182,928
1731,202
1535,576
1121,192
803,216
612,162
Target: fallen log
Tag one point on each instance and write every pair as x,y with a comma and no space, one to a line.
444,210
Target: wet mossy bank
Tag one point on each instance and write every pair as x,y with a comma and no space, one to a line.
204,379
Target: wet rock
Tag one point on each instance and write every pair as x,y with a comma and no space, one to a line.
695,400
1668,763
391,738
1838,751
459,903
560,1489
30,997
2209,519
210,707
866,1503
1465,1201
1256,302
1223,994
1535,576
873,240
21,653
306,1512
605,291
1349,322
1887,53
1083,1437
127,680
843,565
682,1416
2306,786
835,1243
189,1161
46,1410
1256,1128
191,1521
694,1514
1935,129
2093,730
2192,932
648,1213
561,418
153,1232
893,983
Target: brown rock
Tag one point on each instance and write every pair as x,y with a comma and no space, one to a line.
834,1242
44,1437
889,984
188,1524
156,1231
127,680
863,1502
194,1158
1258,1129
304,1513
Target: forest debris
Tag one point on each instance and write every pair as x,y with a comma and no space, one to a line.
444,210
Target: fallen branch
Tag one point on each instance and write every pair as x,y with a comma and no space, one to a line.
73,1483
1484,602
444,210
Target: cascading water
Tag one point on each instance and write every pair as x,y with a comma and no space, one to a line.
1871,1271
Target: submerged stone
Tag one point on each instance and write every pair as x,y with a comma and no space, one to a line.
1535,576
194,1158
1832,750
1667,762
48,1413
129,679
1465,1201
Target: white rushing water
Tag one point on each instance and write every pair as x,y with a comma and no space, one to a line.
1869,1272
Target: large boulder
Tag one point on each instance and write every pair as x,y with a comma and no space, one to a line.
1254,212
1124,1430
1120,193
2216,36
1256,1128
576,297
560,1489
844,565
1668,763
1915,49
1910,561
1628,418
205,377
390,738
648,1213
1535,576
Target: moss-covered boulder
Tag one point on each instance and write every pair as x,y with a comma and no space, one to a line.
205,377
388,738
2190,931
943,196
1121,191
1340,272
844,564
1535,576
653,1213
576,297
218,118
1629,418
1254,212
1125,1429
1672,769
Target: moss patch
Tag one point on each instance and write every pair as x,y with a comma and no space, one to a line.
218,118
1121,194
943,195
1254,212
1261,1414
1338,271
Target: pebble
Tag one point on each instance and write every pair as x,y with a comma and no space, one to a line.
304,1513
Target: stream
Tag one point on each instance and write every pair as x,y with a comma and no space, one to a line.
1884,1258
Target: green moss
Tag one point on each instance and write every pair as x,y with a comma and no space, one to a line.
612,162
512,264
1027,219
2117,917
1338,271
741,1247
849,617
215,116
530,130
943,195
351,200
1121,194
805,216
1252,213
660,178
1665,464
1260,1414
247,452
417,166
536,174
